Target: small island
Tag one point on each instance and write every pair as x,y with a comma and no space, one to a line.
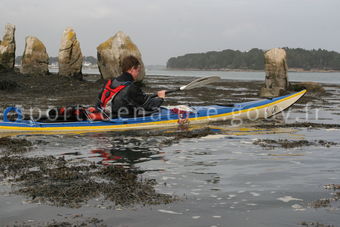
298,59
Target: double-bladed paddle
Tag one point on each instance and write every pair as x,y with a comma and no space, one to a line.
195,84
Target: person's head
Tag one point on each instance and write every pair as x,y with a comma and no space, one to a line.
131,65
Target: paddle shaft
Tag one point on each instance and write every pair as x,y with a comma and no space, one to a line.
193,84
172,91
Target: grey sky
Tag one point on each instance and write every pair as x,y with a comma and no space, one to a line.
162,29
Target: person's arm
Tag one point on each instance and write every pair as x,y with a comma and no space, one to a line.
140,99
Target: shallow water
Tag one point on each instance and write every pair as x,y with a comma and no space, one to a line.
223,178
321,77
220,175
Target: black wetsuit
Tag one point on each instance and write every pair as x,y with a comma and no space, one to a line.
131,100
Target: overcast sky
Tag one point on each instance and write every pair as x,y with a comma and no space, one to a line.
165,28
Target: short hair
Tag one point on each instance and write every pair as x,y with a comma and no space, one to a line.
129,62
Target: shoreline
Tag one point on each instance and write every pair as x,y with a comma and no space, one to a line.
53,90
217,70
253,70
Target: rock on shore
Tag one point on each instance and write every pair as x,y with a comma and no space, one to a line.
312,87
35,57
276,73
7,49
111,53
70,57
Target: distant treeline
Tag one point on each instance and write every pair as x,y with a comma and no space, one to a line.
254,60
54,60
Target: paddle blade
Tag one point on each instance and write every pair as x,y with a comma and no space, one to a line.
200,82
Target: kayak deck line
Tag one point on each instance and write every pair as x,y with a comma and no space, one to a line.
241,110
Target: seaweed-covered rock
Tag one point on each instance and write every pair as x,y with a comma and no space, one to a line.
12,145
8,85
35,58
7,49
276,82
313,87
70,57
111,52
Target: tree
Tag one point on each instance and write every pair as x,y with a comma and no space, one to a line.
254,59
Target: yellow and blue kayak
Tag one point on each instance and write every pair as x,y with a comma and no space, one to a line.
166,117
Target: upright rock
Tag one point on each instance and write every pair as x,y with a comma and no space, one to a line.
70,57
276,73
111,53
35,58
7,49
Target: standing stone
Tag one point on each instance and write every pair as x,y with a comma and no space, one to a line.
111,53
276,82
35,58
7,49
70,57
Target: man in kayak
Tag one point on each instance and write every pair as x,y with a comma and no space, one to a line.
126,98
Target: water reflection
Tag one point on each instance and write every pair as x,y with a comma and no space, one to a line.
128,151
132,147
107,157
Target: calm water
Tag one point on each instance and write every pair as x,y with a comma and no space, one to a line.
293,76
224,179
333,78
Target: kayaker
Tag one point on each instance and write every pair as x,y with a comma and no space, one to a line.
125,97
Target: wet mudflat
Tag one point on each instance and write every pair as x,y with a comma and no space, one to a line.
279,172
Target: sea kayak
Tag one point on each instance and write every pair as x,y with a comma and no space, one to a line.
166,117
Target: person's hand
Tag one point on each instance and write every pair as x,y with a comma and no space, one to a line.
161,94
